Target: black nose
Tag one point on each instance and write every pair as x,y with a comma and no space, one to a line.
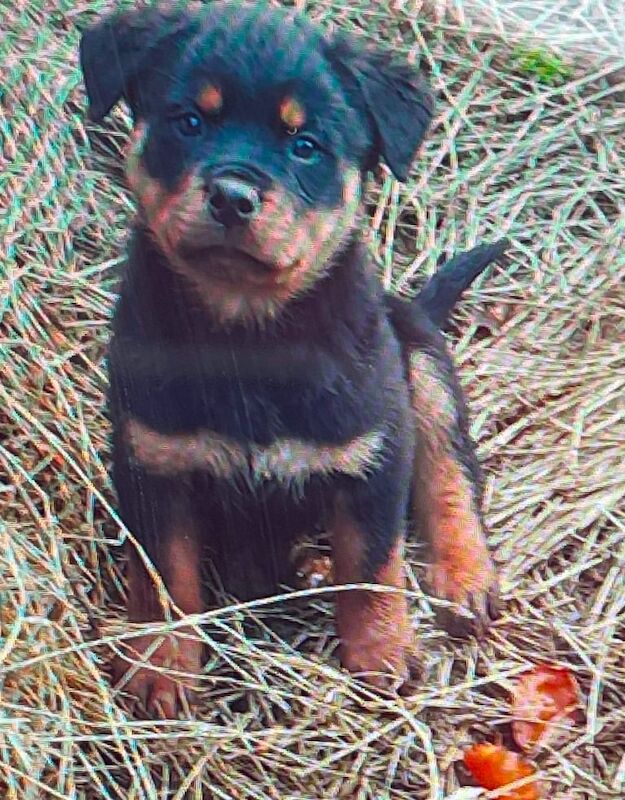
232,201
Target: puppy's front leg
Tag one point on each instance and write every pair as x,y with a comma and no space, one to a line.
158,511
368,538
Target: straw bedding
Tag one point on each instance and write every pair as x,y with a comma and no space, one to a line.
518,149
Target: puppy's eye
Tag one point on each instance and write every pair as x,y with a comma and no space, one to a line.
304,148
189,124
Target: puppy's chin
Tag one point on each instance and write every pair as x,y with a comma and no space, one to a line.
238,289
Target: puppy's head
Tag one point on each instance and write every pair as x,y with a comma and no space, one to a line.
253,132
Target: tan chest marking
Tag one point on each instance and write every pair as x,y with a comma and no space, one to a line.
291,462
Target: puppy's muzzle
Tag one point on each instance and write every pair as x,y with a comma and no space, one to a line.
232,201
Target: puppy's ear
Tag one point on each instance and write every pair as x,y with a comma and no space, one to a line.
394,95
116,52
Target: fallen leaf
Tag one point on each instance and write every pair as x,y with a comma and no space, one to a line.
494,767
543,700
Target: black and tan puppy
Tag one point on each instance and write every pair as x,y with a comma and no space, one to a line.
257,384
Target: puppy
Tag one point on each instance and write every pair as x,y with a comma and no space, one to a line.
258,385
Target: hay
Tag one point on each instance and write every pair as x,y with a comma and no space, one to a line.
540,348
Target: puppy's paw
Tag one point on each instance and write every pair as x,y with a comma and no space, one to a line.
161,671
471,584
377,643
381,667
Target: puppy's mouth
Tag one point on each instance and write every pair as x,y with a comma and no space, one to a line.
230,263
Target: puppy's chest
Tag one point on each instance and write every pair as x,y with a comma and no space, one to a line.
247,432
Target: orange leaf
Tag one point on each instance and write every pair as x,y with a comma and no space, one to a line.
493,767
543,695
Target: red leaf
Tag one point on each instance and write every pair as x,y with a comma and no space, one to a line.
493,767
543,700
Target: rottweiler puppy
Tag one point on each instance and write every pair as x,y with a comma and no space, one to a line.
258,385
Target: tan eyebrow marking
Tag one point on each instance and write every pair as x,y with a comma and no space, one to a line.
292,113
210,99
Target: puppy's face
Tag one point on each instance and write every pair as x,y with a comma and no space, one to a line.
252,135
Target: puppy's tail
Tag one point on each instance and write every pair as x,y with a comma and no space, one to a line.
441,292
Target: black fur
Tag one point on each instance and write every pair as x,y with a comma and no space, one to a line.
295,364
360,386
365,103
440,294
342,318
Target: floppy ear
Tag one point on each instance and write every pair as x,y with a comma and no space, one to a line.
116,51
396,98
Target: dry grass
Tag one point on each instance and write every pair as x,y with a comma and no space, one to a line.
540,345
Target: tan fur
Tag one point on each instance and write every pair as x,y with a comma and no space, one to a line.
165,454
298,244
291,462
374,627
182,651
292,113
184,579
461,564
432,401
443,495
210,99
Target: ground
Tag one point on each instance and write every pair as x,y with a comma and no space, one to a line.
539,343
